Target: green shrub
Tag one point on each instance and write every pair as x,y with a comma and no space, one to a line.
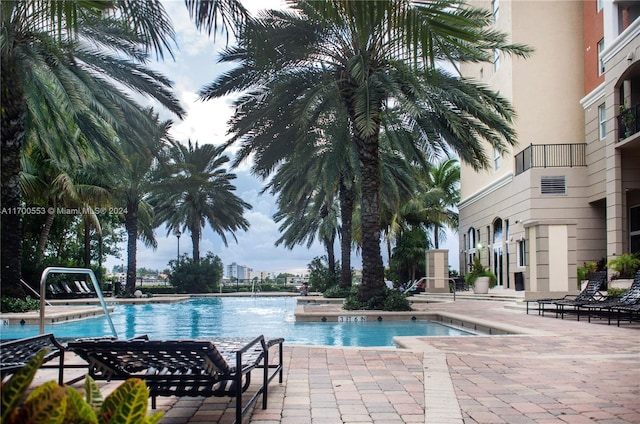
321,277
389,300
16,304
616,292
160,289
203,277
625,265
336,291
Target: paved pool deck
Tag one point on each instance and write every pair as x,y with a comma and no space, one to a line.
552,372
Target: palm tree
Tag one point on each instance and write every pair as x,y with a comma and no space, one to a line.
56,183
377,58
63,67
193,189
442,195
133,183
216,16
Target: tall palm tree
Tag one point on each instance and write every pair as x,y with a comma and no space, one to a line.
305,210
193,190
132,184
64,69
378,58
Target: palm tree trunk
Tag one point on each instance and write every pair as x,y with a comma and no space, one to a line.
131,224
435,236
372,267
346,214
44,235
87,243
12,140
331,255
195,239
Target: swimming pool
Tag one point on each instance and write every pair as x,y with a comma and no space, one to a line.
235,317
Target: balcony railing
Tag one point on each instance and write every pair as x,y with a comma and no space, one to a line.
628,122
551,156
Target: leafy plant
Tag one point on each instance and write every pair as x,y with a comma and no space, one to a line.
52,404
389,300
337,292
615,292
16,304
626,265
585,270
628,119
187,276
321,276
478,270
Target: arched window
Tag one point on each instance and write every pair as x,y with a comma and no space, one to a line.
497,231
471,239
471,246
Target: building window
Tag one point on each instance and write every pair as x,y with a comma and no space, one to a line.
496,159
497,231
471,247
599,5
496,60
522,253
600,61
496,10
602,122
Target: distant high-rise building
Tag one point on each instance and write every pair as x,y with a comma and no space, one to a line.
238,271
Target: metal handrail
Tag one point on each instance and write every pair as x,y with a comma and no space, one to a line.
24,283
63,270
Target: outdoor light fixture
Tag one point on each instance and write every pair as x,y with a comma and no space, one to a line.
178,234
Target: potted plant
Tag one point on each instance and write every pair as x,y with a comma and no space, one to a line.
628,119
625,266
584,272
480,278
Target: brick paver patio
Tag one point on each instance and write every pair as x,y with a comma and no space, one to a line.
560,371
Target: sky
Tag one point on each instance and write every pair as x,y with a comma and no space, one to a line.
195,66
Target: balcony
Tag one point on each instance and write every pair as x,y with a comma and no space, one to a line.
628,121
551,156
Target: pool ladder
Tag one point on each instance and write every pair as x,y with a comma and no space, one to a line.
63,270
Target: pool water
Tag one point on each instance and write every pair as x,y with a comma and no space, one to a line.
235,317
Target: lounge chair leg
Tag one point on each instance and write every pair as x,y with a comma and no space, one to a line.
265,378
239,397
61,370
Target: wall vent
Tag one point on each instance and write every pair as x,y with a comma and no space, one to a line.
553,185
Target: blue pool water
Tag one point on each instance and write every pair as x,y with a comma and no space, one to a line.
235,317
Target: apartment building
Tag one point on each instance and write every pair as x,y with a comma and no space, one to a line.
569,191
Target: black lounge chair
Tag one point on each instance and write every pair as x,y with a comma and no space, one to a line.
185,367
15,354
630,311
590,293
588,296
627,303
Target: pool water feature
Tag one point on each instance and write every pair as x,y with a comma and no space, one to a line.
235,317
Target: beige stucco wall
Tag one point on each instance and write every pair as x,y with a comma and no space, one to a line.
558,258
547,100
544,95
